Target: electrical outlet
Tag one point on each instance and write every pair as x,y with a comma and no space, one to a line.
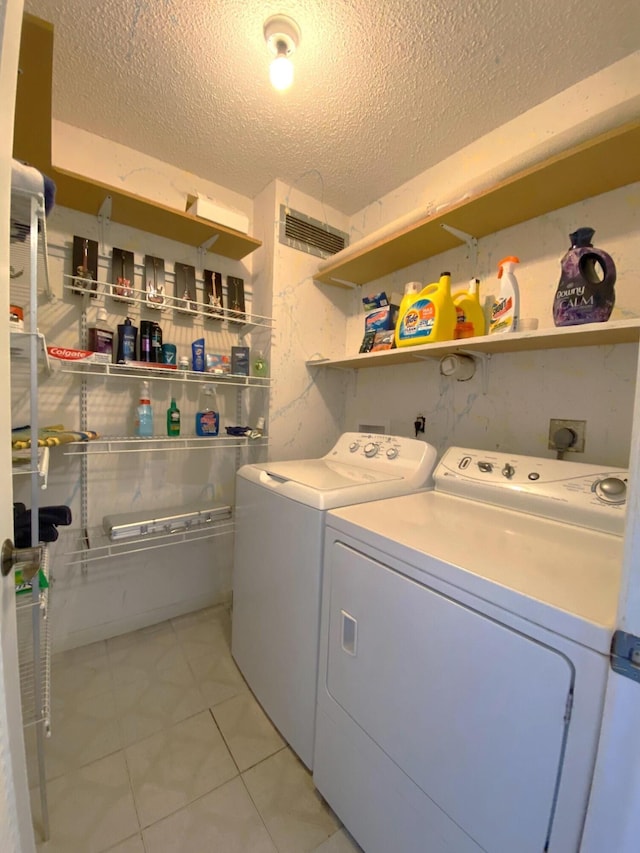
578,427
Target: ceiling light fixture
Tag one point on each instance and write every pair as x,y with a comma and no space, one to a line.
282,35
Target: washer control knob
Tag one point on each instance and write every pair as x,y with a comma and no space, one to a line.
354,446
533,475
613,490
508,471
370,449
485,467
392,452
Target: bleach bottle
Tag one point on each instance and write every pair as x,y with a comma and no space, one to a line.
585,291
428,316
505,311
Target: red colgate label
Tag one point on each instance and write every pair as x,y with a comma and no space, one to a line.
67,354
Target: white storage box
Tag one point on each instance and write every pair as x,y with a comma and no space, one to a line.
209,208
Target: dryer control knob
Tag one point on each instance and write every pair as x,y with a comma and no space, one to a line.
392,452
613,490
370,449
508,471
485,467
354,446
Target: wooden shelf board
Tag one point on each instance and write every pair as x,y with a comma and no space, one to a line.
32,143
599,165
592,334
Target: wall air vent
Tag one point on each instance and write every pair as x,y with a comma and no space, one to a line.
301,232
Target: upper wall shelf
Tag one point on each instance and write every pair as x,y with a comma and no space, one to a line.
602,164
32,143
591,334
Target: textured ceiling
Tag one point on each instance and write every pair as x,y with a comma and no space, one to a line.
383,89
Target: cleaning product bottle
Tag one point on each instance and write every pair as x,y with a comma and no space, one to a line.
173,419
127,342
207,421
505,311
144,413
428,316
411,291
100,336
470,322
585,293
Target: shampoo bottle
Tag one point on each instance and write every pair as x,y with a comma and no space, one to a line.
144,413
207,421
470,321
127,342
505,311
173,419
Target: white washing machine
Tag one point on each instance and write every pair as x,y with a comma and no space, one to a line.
463,656
277,573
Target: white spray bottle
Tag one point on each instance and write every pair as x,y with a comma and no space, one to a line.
505,311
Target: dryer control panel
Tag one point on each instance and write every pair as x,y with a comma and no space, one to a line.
571,492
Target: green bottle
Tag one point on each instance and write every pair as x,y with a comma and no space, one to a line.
260,364
173,419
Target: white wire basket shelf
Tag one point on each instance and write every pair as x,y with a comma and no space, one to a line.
157,444
94,544
241,321
168,374
21,464
29,606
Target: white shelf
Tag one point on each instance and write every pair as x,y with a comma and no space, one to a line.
128,444
30,606
21,464
162,373
20,344
243,322
95,545
592,334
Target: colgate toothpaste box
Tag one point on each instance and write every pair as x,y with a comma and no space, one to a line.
80,355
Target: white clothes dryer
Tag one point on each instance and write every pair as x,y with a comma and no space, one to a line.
463,656
277,572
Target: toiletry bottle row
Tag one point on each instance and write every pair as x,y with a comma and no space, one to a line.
207,420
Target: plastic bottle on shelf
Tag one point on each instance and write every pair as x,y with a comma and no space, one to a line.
505,312
101,336
127,342
259,364
470,316
207,420
144,413
173,419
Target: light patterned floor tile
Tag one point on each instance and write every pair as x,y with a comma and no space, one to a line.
340,842
203,638
81,673
82,730
247,730
178,765
155,650
131,845
90,809
224,820
157,700
218,677
297,817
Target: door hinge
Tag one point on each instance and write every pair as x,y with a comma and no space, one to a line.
625,655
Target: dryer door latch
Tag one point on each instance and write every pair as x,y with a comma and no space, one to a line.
625,655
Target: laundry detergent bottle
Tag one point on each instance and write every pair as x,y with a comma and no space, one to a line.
470,320
505,311
428,316
587,276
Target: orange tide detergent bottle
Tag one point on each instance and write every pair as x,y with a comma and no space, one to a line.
428,316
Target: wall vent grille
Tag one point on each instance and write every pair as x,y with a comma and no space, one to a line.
301,232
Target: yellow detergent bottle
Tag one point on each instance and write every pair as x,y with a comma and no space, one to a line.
428,316
470,316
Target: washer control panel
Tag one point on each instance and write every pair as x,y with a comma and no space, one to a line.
399,456
571,492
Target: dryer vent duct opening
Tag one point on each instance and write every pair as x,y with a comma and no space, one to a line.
302,232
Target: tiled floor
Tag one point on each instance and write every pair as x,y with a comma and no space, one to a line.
158,746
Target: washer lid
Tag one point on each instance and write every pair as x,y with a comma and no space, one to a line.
324,475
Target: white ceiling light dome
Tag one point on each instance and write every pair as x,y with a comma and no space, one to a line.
282,36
